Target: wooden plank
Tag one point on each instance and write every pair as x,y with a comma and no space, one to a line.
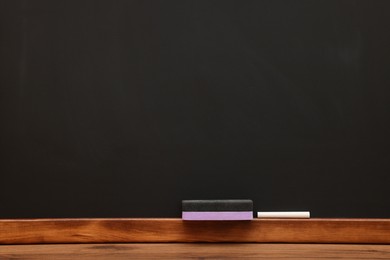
36,231
194,251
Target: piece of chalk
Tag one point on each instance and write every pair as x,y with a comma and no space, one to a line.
287,214
217,215
217,205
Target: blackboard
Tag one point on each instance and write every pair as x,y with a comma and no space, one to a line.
124,108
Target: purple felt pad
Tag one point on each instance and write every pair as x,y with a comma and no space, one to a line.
217,215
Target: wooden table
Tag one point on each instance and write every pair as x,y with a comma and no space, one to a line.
176,239
310,231
194,251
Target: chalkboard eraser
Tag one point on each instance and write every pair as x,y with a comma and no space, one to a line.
286,214
217,215
217,205
217,209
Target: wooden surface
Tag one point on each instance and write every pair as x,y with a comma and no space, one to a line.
195,251
38,231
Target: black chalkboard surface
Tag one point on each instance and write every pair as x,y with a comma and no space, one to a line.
124,108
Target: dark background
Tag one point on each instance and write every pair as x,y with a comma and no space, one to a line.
124,108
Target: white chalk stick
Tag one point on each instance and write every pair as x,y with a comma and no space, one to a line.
281,214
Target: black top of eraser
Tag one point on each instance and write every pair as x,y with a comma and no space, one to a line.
217,205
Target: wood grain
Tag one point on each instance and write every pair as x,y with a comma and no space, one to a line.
38,231
194,251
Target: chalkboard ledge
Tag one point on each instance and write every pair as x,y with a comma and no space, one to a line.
126,230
